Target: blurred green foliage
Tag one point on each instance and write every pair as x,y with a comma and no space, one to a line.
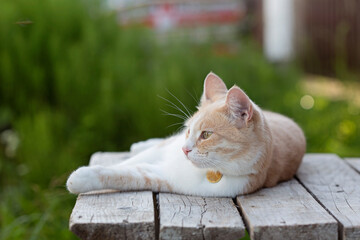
73,82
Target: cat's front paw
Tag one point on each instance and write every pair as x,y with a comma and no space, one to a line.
83,180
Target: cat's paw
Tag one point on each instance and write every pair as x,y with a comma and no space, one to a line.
83,180
143,145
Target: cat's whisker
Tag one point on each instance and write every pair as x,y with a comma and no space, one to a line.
180,128
174,115
177,108
174,124
197,102
173,105
214,163
197,97
187,110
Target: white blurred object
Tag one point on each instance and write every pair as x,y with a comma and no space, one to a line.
164,18
11,141
278,29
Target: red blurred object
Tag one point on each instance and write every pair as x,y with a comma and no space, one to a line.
179,15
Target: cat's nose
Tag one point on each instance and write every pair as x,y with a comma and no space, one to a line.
186,150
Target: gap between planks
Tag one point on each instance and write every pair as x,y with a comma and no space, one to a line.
156,214
286,211
334,184
354,163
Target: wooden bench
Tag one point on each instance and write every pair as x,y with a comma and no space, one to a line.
322,202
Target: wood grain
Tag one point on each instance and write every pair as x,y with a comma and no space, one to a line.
286,211
354,163
190,217
114,216
337,187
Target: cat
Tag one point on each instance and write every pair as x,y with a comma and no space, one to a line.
228,147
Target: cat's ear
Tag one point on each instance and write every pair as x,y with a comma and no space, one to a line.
213,87
239,105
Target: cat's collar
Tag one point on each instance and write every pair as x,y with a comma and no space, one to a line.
213,176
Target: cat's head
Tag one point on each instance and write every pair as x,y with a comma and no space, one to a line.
222,128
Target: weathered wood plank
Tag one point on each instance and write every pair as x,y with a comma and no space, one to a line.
337,187
190,217
354,163
110,214
114,216
286,211
108,158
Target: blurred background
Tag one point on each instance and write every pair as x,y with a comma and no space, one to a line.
80,76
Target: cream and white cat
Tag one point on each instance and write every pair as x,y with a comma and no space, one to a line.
229,147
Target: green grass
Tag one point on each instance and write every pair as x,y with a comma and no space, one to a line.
73,83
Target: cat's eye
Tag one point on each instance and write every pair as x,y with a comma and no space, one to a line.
206,134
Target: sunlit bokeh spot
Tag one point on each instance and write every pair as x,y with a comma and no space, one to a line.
347,127
307,102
